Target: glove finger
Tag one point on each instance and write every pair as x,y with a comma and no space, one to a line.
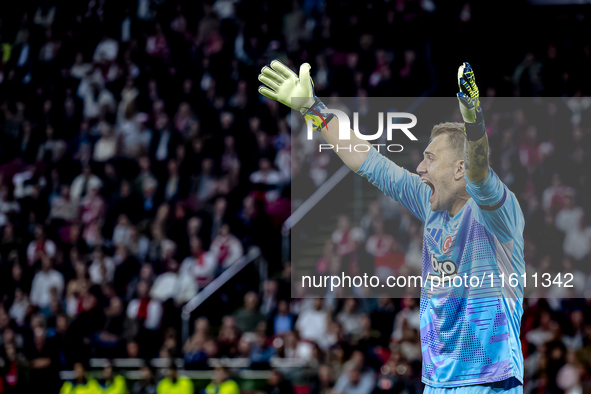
467,68
305,79
282,69
269,82
464,86
265,91
464,100
272,75
470,77
460,75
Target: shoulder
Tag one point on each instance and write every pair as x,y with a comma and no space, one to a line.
166,382
188,260
185,381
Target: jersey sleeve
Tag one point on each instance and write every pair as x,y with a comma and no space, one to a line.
397,183
498,205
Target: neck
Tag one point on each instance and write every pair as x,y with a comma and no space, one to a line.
459,203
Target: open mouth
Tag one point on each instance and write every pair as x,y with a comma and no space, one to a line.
426,182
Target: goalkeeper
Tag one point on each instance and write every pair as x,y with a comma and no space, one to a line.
469,336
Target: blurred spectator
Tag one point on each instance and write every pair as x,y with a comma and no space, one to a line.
324,382
40,246
267,176
147,383
102,268
20,307
46,280
356,381
385,250
282,321
269,303
261,353
226,247
174,384
81,384
112,383
81,184
312,323
408,314
200,265
63,207
221,383
43,357
173,285
350,318
248,318
347,240
577,242
278,384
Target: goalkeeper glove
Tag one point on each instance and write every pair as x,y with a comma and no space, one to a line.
284,85
470,103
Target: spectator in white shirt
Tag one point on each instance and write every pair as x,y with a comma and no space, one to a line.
266,175
18,309
346,237
312,323
173,284
102,268
63,207
144,309
94,95
122,231
568,217
106,50
350,318
40,245
577,243
45,14
200,265
356,381
80,69
410,314
106,147
45,280
80,184
226,247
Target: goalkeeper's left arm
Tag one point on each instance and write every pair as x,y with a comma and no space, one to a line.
476,144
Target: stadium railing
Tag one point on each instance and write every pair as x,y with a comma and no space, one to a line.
253,254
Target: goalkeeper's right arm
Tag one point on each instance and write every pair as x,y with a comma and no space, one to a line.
282,84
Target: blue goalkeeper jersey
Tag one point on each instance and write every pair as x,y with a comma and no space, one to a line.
469,331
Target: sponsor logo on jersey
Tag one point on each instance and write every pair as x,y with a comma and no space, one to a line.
445,270
435,233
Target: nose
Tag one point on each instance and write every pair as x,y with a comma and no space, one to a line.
422,168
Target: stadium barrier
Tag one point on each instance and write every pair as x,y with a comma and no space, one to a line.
253,254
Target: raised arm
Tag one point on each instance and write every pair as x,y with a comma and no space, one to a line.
476,145
352,159
297,92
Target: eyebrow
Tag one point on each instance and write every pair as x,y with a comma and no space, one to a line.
429,153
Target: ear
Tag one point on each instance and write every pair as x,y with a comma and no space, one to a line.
459,170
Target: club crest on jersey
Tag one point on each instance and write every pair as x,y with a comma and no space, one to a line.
447,242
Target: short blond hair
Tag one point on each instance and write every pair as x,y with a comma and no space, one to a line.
455,136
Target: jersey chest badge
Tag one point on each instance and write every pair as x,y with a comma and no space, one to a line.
446,245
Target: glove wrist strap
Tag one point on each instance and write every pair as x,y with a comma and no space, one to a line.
474,131
318,113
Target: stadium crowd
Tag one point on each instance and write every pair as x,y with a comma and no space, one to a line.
138,162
